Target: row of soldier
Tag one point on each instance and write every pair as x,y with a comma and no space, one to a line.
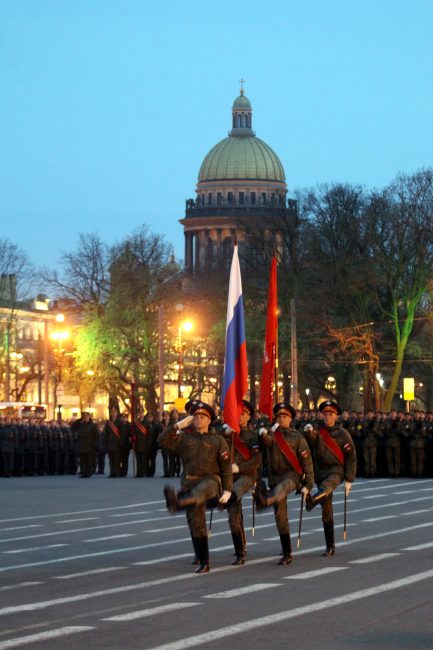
387,444
222,465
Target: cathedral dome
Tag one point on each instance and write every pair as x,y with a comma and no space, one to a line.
241,156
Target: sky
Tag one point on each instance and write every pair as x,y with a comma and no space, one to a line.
108,107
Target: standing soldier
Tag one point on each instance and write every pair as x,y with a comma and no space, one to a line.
207,472
334,458
125,445
140,435
418,435
370,434
290,469
113,432
87,433
8,443
246,456
393,434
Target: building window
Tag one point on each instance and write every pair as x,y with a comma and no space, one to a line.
230,197
263,198
253,198
219,198
241,198
209,198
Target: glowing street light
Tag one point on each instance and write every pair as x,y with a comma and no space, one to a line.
185,326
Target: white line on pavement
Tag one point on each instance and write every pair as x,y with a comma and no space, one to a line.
20,584
280,617
419,547
374,558
143,613
34,548
43,636
73,521
315,574
82,512
232,593
104,539
22,527
182,555
375,496
89,573
372,519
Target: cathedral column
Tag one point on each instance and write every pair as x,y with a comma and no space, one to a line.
197,253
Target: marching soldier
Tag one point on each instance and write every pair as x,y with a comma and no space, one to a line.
207,473
290,469
334,458
246,456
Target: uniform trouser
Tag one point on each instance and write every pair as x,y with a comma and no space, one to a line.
141,457
417,456
393,460
114,460
167,463
31,463
208,488
101,462
86,463
124,457
370,455
151,464
281,491
241,486
8,462
329,483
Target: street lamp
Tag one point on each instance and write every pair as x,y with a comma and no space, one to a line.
186,326
60,335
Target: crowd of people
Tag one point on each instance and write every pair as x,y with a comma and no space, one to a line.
387,444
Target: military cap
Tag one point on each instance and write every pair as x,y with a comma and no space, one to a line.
204,409
247,407
190,403
329,405
283,407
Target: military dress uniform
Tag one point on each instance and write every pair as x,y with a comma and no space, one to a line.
141,441
245,451
334,458
290,469
87,434
113,437
207,472
8,444
393,437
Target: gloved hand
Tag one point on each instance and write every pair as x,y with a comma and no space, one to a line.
182,424
274,427
308,427
305,491
347,487
263,432
235,468
225,496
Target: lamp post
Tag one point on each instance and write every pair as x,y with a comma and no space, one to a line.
59,335
186,326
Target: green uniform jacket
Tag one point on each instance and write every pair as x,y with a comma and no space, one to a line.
325,462
280,467
203,455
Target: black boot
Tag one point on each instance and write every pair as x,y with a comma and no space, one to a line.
203,554
328,527
313,499
287,550
261,495
196,558
239,544
171,499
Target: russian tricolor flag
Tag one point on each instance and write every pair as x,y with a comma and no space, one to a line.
235,382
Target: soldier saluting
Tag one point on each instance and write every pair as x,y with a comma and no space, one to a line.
334,461
207,473
290,469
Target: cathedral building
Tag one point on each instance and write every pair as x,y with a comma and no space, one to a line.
241,185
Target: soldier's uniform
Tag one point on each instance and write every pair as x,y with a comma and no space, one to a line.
207,471
245,451
141,441
393,435
8,444
290,469
113,437
417,445
334,458
370,433
87,433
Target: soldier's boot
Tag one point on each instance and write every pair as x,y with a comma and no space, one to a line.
287,550
328,527
261,495
194,544
312,500
240,552
203,554
174,502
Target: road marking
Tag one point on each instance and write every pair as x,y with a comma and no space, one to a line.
165,530
73,521
285,615
82,512
104,539
43,636
143,613
315,574
403,492
20,584
243,590
372,519
374,558
415,512
375,496
22,527
420,547
132,514
34,548
89,573
182,555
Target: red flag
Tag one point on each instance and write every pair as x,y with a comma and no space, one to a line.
270,351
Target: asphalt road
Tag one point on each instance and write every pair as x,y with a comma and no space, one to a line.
100,563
